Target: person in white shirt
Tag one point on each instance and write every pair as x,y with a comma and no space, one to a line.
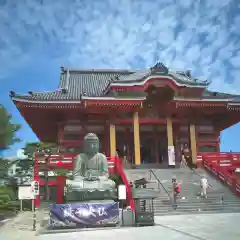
204,186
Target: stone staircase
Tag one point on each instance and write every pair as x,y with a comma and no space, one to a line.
220,198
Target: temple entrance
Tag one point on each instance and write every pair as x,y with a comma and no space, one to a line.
147,150
153,145
153,148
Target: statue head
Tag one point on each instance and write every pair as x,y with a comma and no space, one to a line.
91,144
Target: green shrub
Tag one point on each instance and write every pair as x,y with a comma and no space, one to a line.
117,179
7,197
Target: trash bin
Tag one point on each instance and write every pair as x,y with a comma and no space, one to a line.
144,209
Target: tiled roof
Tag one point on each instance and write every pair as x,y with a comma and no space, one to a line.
91,83
179,77
217,95
183,78
75,83
136,76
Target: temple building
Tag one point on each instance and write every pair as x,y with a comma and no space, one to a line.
144,115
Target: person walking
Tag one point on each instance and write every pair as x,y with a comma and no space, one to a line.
183,163
175,191
204,186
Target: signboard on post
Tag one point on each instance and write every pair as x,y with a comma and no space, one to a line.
35,188
171,156
25,193
122,192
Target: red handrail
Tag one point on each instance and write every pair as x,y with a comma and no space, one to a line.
223,166
119,169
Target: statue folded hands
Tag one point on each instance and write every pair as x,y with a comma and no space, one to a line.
90,168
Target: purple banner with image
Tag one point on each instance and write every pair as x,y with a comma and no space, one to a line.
83,214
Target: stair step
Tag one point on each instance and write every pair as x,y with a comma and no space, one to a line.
190,189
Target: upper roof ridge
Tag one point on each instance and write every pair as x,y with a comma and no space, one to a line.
100,70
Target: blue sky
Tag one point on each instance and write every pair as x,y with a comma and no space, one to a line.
38,36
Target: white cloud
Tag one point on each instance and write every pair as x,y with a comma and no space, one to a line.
203,37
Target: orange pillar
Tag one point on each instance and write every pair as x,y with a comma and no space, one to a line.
171,149
112,136
136,138
192,131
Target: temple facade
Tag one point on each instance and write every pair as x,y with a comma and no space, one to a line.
144,116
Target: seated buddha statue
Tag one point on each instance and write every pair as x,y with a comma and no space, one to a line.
90,168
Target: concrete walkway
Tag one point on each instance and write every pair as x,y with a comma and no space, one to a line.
21,226
204,226
184,227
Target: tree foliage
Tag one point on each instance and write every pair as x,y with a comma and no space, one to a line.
4,166
38,147
7,129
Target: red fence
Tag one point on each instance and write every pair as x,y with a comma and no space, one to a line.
223,165
120,171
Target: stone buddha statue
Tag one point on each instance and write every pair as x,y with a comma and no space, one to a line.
90,168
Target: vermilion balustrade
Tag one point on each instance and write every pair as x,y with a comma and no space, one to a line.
223,165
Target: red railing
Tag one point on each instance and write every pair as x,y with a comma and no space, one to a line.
120,171
66,161
223,166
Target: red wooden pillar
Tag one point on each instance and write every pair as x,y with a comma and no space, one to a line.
107,140
104,141
60,189
156,152
128,136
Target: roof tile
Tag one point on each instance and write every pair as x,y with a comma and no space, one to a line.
94,82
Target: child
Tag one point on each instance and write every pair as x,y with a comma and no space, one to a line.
176,191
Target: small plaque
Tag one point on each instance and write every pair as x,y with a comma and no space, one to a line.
122,192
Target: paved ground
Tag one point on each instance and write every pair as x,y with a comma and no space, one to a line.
20,227
5,218
184,227
187,227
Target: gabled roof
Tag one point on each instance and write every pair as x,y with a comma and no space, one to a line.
76,84
179,77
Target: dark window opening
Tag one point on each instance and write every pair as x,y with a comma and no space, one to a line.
207,136
71,136
208,149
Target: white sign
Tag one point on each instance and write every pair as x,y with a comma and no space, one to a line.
171,156
25,193
35,187
122,192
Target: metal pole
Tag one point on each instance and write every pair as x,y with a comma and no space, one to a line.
34,215
122,215
21,205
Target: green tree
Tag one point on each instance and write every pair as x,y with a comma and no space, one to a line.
7,129
43,150
38,147
4,165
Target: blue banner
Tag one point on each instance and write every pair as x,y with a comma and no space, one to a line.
83,214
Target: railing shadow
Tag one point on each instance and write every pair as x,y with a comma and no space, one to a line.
160,185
